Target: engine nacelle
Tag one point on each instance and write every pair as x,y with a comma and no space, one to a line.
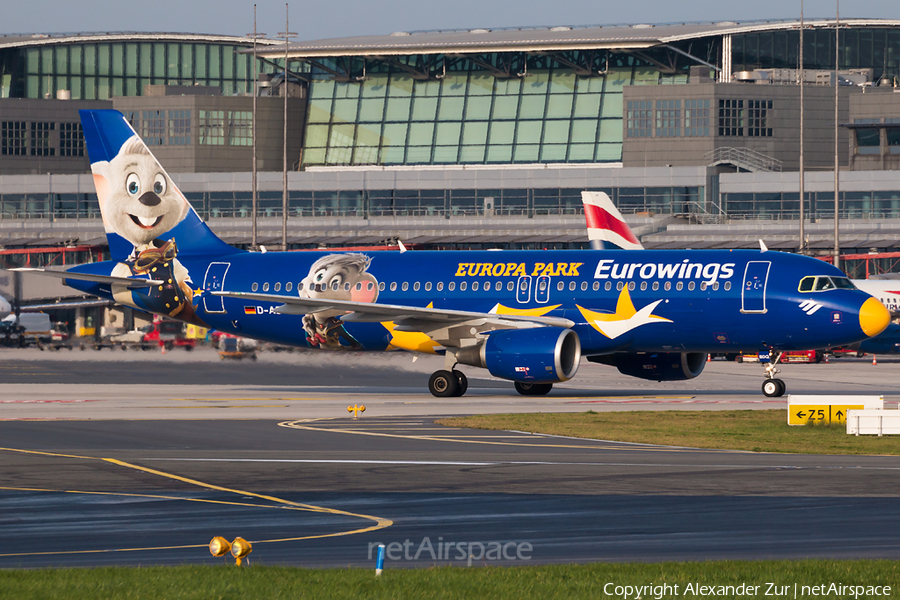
536,355
658,366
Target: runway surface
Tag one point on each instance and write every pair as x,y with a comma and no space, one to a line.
143,460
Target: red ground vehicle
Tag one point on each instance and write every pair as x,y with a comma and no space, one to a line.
166,333
803,356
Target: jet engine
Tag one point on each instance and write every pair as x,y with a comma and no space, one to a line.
536,355
658,366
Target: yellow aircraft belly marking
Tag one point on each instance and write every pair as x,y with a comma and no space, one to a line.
624,319
414,341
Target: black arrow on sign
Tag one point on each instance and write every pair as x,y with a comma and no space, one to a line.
801,414
839,414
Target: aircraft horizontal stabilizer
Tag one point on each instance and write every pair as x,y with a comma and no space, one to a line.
365,311
128,282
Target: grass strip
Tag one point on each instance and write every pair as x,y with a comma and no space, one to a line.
752,430
551,581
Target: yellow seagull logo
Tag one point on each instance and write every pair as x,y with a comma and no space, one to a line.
624,319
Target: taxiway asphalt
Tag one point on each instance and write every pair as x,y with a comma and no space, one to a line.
143,459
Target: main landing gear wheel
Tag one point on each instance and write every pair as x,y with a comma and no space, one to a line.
773,388
444,384
534,389
462,383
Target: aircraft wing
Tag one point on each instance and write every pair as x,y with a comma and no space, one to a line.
413,317
128,282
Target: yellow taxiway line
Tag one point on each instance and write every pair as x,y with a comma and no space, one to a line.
379,522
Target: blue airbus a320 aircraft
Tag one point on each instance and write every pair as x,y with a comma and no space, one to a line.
525,316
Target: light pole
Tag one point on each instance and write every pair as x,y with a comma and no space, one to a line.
837,176
284,198
255,199
801,77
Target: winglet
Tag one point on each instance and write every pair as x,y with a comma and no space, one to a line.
607,229
402,247
763,247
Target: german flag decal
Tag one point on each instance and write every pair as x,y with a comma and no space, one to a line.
249,310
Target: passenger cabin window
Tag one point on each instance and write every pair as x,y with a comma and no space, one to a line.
498,287
393,286
643,286
288,286
266,287
474,286
451,286
619,286
596,286
584,286
427,286
679,286
278,287
510,286
347,287
300,287
405,286
334,286
254,287
560,286
462,286
416,286
380,286
691,286
631,286
440,286
727,285
655,285
608,286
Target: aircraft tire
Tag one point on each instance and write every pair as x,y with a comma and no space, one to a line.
463,383
533,389
443,384
773,388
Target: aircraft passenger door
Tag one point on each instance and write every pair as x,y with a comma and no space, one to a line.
753,293
523,289
542,292
214,281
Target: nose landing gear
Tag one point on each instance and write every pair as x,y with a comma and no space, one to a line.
773,387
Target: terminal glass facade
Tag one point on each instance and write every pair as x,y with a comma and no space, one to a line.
519,202
861,48
98,71
543,115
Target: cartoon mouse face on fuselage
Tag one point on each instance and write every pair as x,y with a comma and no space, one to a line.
137,199
340,277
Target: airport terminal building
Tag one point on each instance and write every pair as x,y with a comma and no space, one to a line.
470,139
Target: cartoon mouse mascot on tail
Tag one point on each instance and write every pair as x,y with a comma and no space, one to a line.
139,203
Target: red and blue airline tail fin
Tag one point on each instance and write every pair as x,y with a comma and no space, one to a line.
607,229
140,204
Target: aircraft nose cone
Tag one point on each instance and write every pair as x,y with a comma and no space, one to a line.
873,317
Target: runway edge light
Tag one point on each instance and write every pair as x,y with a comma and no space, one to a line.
240,548
219,546
379,561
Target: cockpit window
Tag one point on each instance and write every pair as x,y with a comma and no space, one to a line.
823,284
843,283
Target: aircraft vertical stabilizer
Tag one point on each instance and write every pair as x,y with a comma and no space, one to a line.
139,202
607,229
